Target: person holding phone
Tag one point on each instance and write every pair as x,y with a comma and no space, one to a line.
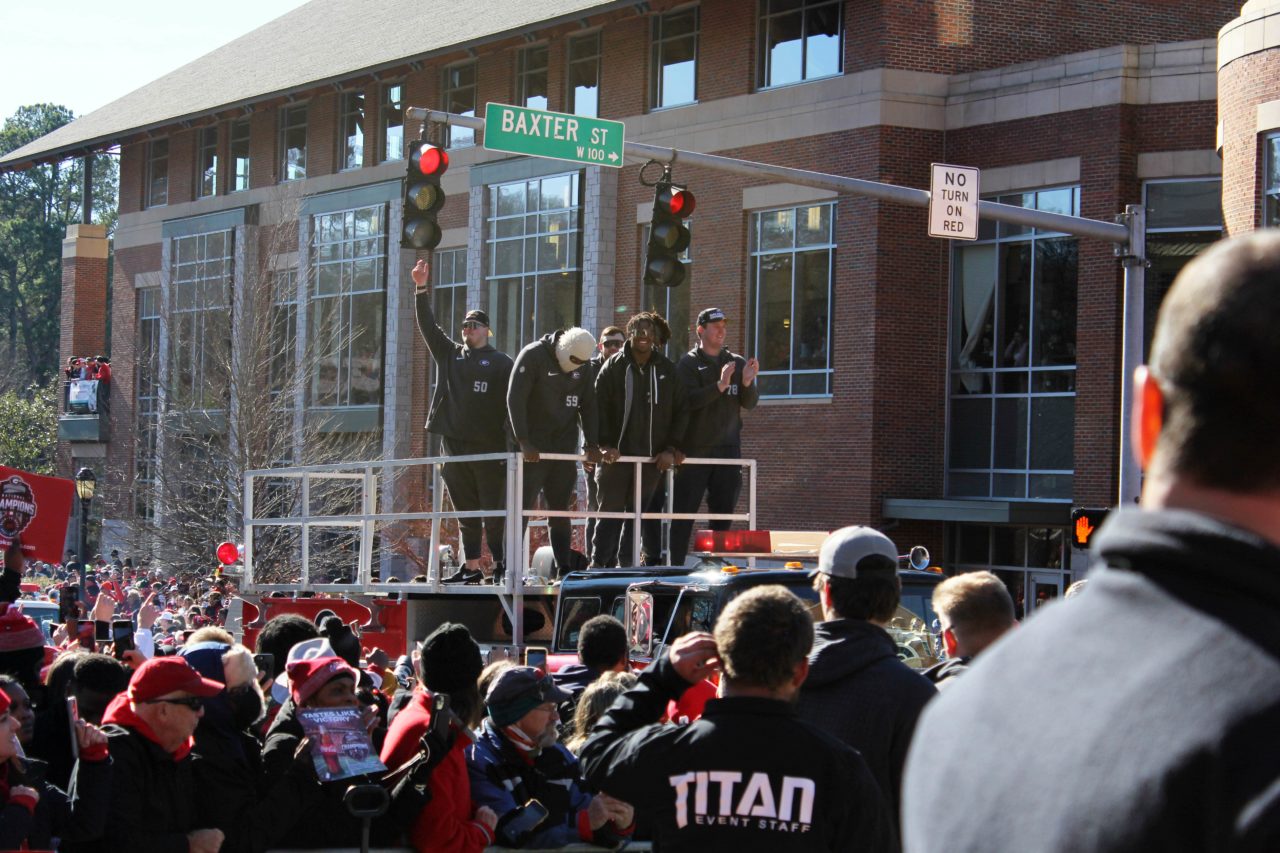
34,811
449,664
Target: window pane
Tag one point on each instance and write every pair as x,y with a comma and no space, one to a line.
353,130
813,225
1014,305
776,229
784,48
822,41
969,485
510,199
972,310
812,277
1273,162
1184,204
1055,308
1053,432
557,193
240,155
1011,433
971,433
392,123
775,312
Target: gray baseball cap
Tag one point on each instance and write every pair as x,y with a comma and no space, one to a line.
853,552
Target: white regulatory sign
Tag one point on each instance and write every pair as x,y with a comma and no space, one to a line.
953,202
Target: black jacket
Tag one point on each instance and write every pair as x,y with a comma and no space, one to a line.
858,691
748,775
642,410
1141,715
470,399
715,417
78,815
546,404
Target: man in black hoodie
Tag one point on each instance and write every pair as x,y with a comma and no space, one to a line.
469,413
643,411
1143,714
858,690
552,395
720,386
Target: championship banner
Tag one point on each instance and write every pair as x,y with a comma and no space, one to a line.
36,510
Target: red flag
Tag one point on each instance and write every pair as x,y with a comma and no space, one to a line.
35,509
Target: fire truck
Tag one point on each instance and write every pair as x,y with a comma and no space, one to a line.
371,541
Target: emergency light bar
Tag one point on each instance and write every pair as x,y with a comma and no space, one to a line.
759,543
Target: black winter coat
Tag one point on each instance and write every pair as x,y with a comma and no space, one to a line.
748,775
715,417
858,691
470,399
642,410
1140,716
78,815
546,404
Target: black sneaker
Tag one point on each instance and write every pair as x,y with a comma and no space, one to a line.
499,575
464,576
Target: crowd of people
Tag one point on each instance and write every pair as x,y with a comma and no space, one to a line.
88,384
608,397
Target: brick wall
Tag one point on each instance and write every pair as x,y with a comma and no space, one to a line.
1243,84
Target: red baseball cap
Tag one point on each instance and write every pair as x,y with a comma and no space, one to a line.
164,675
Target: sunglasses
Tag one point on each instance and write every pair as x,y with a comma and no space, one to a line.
195,703
612,344
578,361
472,324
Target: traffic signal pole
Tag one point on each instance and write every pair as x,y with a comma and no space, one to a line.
1127,235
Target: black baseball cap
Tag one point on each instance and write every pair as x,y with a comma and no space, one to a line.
478,316
710,315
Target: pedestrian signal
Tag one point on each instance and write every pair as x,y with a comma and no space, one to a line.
423,196
668,235
1084,522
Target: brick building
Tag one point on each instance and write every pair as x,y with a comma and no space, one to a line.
961,395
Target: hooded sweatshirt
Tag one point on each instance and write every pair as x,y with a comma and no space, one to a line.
858,691
546,404
643,409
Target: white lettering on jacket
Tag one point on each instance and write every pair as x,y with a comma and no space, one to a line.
761,797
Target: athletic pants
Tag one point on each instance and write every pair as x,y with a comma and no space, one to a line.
615,493
720,483
557,480
476,486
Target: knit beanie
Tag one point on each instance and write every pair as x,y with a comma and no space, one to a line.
19,631
575,342
345,644
306,677
450,659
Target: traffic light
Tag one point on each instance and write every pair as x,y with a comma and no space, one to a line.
1084,521
668,236
423,196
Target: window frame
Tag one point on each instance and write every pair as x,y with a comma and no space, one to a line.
1271,191
203,148
385,106
763,64
236,181
459,137
149,304
524,71
569,62
285,125
657,41
754,255
149,183
345,112
206,318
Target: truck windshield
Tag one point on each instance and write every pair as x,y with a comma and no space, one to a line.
574,612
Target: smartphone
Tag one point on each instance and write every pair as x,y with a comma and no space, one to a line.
536,657
440,716
73,715
85,634
102,632
265,664
121,637
516,829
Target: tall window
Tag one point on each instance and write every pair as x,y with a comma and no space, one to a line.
148,401
352,130
672,303
239,155
293,142
584,75
347,306
449,291
1271,210
207,183
200,320
460,97
674,68
1184,216
792,273
157,172
535,258
799,40
1013,358
531,77
284,338
391,121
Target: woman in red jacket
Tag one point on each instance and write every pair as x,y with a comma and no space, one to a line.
450,663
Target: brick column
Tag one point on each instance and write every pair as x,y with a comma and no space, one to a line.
599,250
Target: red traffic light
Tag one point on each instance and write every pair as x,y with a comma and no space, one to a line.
228,553
431,159
675,201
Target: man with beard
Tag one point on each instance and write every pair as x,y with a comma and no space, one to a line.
227,760
516,760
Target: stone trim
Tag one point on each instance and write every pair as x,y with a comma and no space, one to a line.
453,238
782,195
1257,29
85,241
1179,164
1268,116
1029,176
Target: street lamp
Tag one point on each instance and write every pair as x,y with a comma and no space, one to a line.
85,484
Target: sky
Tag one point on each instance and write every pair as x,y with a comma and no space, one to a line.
84,55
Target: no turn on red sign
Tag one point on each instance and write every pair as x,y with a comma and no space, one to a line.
953,202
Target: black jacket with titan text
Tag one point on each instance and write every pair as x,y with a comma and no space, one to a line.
470,400
546,404
748,775
642,410
1140,715
715,417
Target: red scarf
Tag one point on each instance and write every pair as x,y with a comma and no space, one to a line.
121,712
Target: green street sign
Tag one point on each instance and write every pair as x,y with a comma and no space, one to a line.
560,136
